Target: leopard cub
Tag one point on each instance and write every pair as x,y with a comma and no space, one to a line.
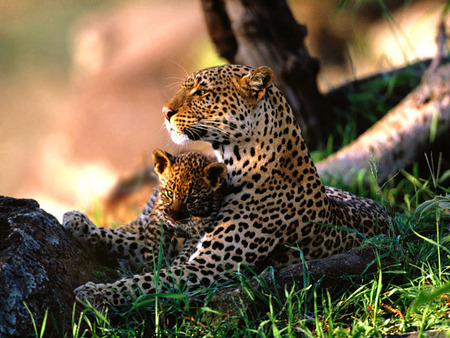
185,204
190,194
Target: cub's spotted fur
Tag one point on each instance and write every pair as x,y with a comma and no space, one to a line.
187,201
276,198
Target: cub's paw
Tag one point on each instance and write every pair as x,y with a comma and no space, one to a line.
79,225
88,294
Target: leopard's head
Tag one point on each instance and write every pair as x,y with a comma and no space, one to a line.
214,104
190,185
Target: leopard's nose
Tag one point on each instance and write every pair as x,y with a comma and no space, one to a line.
168,112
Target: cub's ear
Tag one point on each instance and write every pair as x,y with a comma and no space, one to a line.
253,86
214,174
162,161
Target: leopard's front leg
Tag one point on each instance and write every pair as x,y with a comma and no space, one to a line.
125,244
205,266
125,290
211,261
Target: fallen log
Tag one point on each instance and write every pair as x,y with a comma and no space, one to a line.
329,271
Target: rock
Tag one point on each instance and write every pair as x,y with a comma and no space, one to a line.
40,265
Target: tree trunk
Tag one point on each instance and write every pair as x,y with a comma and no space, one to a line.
402,136
264,32
40,265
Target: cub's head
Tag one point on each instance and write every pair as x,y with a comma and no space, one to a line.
190,185
213,104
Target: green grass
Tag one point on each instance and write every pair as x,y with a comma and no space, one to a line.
413,294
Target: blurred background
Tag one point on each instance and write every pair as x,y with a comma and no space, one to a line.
82,83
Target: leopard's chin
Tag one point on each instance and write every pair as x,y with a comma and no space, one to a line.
179,138
176,136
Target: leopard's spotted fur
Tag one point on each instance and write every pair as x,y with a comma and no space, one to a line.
276,198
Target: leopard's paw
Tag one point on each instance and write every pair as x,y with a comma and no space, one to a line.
89,294
79,225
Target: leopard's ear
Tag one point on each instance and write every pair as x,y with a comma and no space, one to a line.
253,86
214,174
162,161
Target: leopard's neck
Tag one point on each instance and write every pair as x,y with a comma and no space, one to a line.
275,146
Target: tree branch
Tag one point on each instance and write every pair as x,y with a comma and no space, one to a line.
402,135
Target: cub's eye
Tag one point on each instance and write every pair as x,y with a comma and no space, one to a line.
193,199
169,193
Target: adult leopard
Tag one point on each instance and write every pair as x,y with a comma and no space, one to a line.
277,199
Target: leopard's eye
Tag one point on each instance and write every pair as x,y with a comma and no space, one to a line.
199,92
169,193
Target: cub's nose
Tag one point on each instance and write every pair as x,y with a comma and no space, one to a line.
168,112
177,212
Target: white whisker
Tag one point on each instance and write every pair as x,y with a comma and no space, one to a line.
219,122
186,74
172,86
220,131
219,126
195,132
178,78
